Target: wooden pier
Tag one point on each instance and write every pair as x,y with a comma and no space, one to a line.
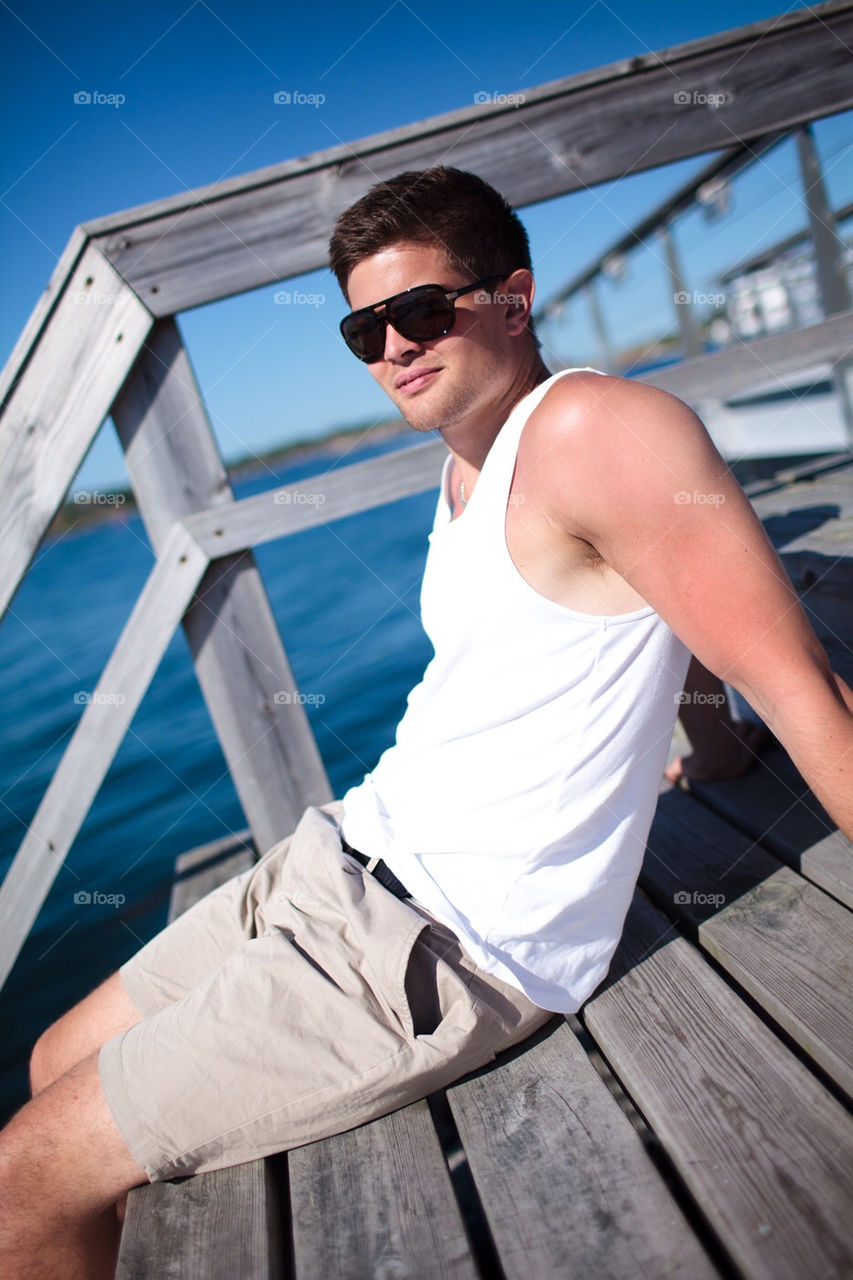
694,1118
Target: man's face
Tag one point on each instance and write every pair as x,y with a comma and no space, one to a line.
439,382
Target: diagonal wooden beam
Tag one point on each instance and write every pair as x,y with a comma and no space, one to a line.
94,743
176,469
59,389
708,95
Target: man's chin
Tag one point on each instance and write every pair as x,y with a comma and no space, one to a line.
423,427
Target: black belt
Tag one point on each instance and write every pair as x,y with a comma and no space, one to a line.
379,870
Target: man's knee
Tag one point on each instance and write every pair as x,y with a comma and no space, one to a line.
63,1166
78,1033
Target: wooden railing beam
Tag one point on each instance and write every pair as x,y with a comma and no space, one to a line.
58,393
176,469
96,739
637,114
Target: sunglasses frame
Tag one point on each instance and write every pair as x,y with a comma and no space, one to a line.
450,296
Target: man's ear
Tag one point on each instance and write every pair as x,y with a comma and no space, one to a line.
519,289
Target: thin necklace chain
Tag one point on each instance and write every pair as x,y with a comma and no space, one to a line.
462,497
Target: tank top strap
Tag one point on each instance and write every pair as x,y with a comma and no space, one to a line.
495,478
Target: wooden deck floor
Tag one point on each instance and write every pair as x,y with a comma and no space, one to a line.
693,1120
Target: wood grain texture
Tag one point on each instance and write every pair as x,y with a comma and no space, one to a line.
201,870
62,395
563,1175
377,1202
41,313
781,938
750,364
829,863
223,1225
328,496
766,1152
564,136
176,469
773,805
98,735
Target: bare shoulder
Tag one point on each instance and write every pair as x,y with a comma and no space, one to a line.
598,409
600,447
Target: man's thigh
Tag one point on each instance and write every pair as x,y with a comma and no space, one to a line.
81,1031
311,1025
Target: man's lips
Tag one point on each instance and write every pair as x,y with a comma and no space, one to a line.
412,379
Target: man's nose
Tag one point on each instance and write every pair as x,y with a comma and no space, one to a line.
396,346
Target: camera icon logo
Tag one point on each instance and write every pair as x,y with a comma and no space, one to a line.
681,98
82,897
82,96
282,97
682,898
82,698
482,96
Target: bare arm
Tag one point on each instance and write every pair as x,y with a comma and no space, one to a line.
632,471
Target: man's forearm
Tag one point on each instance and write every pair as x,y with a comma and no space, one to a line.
817,733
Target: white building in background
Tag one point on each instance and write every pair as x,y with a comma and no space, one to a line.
773,291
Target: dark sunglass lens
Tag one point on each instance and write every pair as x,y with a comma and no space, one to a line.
364,334
422,315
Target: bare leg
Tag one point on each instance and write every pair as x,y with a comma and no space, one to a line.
101,1015
63,1166
80,1032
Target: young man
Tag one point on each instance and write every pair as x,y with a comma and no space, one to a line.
477,880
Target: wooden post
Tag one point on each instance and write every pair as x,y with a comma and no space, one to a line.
600,327
830,272
831,276
690,340
175,469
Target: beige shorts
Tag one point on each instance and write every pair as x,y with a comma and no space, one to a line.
298,1000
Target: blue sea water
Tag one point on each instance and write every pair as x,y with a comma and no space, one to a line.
345,597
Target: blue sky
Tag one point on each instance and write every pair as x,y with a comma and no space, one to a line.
198,81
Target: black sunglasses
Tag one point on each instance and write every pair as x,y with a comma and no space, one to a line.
418,314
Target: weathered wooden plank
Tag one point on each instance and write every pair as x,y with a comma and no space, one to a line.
807,470
175,468
55,408
42,311
830,492
201,870
563,136
218,1226
566,1183
773,805
781,938
829,863
749,364
331,495
99,733
765,1150
377,1201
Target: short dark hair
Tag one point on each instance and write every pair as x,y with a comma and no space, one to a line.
454,210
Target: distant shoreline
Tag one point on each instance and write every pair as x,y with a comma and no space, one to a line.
87,508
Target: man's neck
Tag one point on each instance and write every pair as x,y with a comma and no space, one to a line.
470,440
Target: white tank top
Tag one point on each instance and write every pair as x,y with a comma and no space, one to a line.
517,798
